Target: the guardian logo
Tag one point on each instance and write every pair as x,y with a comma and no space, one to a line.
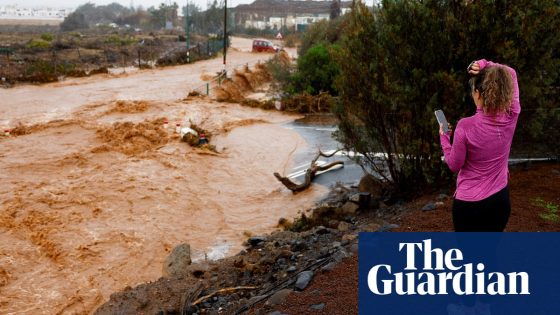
442,273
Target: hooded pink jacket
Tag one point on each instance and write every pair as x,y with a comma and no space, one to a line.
480,149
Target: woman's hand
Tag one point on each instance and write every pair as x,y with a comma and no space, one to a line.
450,132
474,68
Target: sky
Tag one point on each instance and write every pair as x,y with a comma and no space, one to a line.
136,3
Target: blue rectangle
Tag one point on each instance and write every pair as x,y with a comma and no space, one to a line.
464,273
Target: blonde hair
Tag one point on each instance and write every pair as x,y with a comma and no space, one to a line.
496,89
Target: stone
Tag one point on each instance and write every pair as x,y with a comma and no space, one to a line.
332,224
439,204
320,230
355,198
429,206
303,279
347,238
348,208
336,244
372,227
343,226
441,197
276,313
322,211
177,262
388,227
340,255
256,240
291,269
318,307
328,267
199,270
239,262
278,297
371,185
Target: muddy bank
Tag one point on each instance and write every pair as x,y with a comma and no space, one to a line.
270,266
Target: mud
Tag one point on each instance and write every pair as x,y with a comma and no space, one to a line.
92,199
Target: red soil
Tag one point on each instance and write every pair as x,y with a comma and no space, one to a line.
338,289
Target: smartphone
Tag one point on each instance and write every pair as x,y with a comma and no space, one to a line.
440,116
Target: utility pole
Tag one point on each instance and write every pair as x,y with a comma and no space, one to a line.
188,33
225,33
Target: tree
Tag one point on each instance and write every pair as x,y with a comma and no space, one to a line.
335,9
74,21
407,58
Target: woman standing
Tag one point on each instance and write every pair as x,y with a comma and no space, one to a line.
480,149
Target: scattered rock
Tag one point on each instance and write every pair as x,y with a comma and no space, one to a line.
278,297
318,307
320,230
177,262
343,226
291,269
256,240
441,197
369,184
387,227
328,267
340,255
349,237
429,206
372,227
348,208
199,270
303,279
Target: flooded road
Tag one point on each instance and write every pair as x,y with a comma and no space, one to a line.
95,192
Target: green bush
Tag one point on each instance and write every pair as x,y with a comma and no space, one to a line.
47,37
38,44
316,70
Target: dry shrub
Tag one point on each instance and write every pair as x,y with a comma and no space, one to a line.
241,80
283,58
228,91
130,107
207,76
131,139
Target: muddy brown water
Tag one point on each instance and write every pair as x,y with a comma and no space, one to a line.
94,201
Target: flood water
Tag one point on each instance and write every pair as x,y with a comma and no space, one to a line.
96,193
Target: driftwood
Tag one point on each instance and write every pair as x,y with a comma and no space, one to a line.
309,173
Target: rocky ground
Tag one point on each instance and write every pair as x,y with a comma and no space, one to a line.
311,266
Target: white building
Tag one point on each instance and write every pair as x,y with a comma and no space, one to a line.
43,13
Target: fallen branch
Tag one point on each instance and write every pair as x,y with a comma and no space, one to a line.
222,291
309,173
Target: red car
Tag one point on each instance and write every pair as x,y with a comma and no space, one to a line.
263,45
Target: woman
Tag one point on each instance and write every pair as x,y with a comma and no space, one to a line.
480,149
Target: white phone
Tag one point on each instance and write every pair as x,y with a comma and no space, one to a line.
440,116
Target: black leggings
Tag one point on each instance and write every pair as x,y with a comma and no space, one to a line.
487,215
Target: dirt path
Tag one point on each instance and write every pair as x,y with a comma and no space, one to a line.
95,201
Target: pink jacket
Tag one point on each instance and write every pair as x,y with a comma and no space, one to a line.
481,145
